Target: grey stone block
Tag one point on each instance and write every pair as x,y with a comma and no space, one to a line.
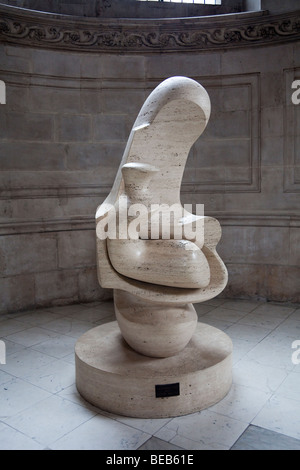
109,127
255,245
234,124
51,99
56,287
245,281
76,249
283,283
32,156
272,151
123,66
221,154
102,156
15,63
56,63
91,101
17,293
73,128
91,66
183,64
89,287
294,243
29,126
272,121
118,101
272,89
17,98
29,253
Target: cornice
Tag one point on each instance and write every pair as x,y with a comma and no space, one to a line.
261,219
36,29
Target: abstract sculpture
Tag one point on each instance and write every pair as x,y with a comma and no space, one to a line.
160,259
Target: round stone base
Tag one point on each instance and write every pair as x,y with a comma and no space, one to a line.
115,378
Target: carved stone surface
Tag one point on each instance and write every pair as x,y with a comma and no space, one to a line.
116,35
170,121
159,258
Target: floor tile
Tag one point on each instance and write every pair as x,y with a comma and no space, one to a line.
24,362
202,309
37,317
274,310
31,336
17,395
225,314
7,327
70,358
59,346
69,326
275,351
206,430
216,302
71,393
221,324
241,305
5,377
240,348
105,320
295,315
256,438
158,444
254,375
50,419
58,375
12,347
150,426
91,304
264,321
289,327
11,439
92,314
66,309
4,317
281,415
290,387
247,332
101,433
37,384
241,403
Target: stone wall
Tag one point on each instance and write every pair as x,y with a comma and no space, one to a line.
63,129
149,9
127,8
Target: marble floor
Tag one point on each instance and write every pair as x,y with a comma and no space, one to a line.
41,409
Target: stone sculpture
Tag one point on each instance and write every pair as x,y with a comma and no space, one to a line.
159,259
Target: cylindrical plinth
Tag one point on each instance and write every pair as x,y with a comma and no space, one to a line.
115,378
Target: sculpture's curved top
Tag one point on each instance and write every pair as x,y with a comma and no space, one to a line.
174,115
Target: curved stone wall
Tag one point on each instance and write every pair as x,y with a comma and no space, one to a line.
69,109
129,8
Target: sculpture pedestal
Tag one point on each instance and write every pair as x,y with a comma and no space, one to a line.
115,378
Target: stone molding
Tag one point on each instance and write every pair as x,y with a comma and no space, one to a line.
262,219
37,29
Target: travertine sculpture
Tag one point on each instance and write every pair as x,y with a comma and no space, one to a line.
160,259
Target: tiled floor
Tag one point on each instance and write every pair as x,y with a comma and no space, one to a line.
41,409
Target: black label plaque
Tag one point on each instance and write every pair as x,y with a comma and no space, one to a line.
167,390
